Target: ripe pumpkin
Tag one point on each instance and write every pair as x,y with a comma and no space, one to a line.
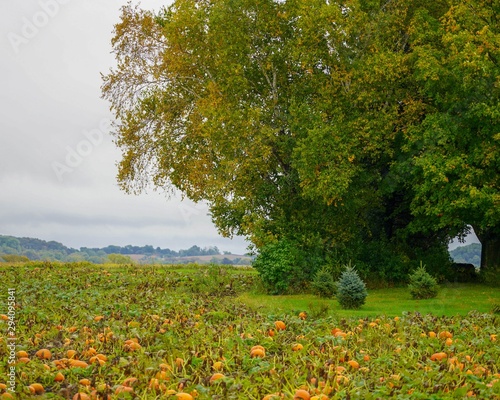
273,396
438,356
97,360
184,396
216,377
335,330
131,345
320,397
81,396
123,389
71,354
302,394
217,366
297,347
280,325
59,377
257,353
162,375
44,354
77,364
131,381
36,388
353,363
22,353
445,335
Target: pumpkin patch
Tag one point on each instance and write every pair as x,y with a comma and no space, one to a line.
159,336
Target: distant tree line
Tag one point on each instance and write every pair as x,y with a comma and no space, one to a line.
14,248
470,254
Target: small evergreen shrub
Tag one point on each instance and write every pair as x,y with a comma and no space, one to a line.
422,285
351,290
323,284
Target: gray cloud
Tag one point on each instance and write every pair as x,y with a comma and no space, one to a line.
57,160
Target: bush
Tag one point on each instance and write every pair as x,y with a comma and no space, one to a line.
279,267
422,285
323,284
465,272
351,290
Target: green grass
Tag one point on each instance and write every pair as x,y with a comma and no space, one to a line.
453,299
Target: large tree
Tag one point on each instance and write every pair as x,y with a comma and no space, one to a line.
313,121
456,148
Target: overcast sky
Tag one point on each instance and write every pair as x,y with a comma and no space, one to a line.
57,159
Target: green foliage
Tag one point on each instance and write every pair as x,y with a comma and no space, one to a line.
351,290
465,273
422,285
380,127
324,284
495,309
279,269
218,281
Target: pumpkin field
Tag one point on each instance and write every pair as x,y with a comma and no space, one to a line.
83,331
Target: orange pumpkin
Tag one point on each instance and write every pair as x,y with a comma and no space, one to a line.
280,325
438,356
36,388
184,396
216,377
44,354
302,394
59,377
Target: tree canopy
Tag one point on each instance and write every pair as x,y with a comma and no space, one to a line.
364,130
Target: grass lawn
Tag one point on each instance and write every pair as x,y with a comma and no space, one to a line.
453,299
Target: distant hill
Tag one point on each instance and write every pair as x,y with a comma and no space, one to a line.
15,248
470,254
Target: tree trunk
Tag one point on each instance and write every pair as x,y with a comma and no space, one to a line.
490,256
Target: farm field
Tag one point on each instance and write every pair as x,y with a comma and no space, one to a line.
154,332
